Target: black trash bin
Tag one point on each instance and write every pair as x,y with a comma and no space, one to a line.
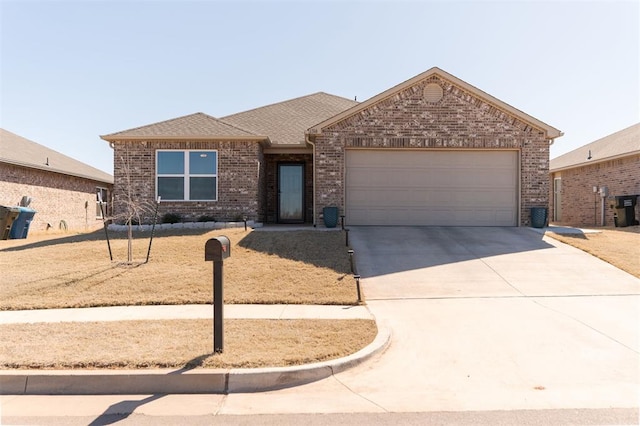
538,217
8,215
330,216
625,210
20,227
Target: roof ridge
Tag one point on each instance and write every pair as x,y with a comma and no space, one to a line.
284,102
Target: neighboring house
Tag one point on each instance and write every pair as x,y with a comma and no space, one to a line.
433,150
578,176
62,190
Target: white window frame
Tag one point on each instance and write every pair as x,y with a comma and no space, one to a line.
105,202
186,175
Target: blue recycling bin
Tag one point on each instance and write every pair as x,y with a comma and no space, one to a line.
20,226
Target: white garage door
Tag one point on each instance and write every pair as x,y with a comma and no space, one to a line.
443,188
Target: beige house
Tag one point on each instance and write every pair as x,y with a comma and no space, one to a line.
586,181
63,191
433,150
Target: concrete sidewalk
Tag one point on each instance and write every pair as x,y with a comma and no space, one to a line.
181,381
125,313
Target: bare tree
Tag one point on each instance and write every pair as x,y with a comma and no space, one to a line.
131,206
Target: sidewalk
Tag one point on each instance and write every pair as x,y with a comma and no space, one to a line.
124,313
181,381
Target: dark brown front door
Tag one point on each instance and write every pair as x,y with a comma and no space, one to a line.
291,193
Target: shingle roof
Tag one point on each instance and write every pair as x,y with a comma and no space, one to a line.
193,126
286,122
17,150
619,144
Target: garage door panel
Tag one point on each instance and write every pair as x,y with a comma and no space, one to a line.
464,188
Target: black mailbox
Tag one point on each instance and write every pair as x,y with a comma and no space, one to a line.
217,249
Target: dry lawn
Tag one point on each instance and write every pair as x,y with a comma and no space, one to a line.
59,271
180,343
617,246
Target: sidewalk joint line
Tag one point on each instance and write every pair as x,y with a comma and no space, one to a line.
358,394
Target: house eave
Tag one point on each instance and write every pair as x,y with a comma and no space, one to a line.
50,169
592,162
248,138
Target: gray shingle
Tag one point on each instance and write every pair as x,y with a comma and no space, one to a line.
624,142
17,150
286,122
198,125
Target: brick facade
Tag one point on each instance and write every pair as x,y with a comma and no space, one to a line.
580,206
55,197
272,162
241,175
459,120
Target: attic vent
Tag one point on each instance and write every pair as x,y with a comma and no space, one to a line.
432,93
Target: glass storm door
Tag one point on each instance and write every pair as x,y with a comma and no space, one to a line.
557,199
291,193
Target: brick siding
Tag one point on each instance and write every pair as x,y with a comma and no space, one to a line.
458,121
580,206
241,175
55,197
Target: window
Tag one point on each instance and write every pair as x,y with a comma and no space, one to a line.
187,175
102,194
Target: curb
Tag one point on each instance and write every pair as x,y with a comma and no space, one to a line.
182,381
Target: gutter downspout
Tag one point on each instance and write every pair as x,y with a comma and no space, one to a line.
313,184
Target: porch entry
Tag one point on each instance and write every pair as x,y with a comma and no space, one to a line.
291,193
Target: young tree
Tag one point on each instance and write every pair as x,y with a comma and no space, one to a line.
130,205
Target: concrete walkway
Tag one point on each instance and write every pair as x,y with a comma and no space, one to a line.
124,313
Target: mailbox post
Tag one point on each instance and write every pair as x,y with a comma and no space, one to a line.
217,249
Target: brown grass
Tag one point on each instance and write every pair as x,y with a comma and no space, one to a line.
617,246
57,271
180,343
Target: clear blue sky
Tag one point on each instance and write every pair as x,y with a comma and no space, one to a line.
74,70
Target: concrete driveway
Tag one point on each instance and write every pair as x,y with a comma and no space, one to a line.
498,318
483,319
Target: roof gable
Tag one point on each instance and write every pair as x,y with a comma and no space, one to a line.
549,131
286,122
620,144
193,126
23,152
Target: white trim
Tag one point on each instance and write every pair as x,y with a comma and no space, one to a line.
186,175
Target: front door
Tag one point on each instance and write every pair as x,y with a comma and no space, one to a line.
557,199
291,193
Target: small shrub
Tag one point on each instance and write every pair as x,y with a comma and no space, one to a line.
206,218
171,218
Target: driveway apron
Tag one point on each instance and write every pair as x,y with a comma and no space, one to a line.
495,319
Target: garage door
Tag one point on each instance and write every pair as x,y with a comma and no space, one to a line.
444,188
